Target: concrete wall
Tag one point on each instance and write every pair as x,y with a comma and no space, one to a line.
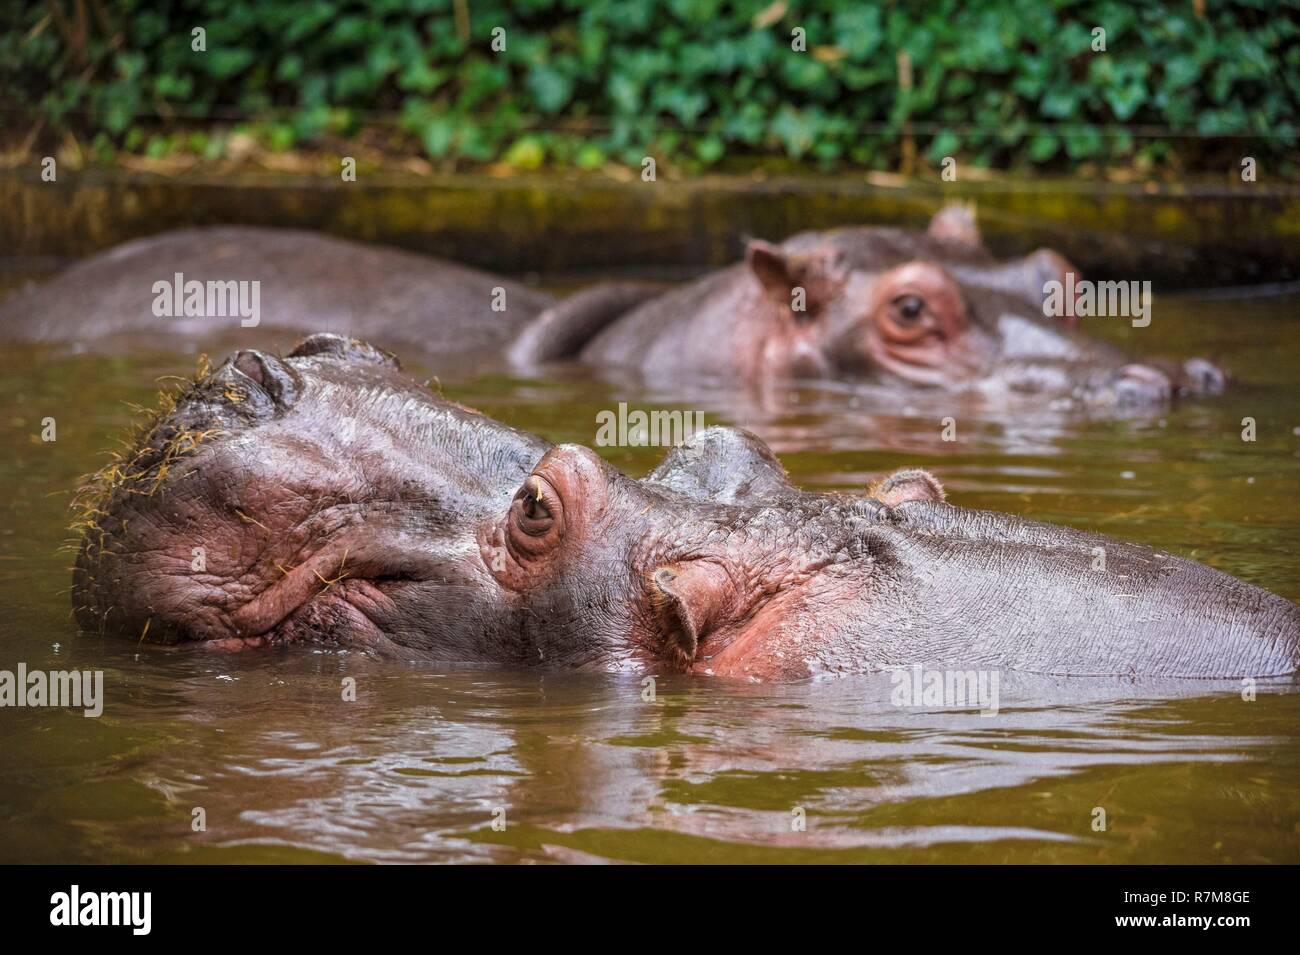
1175,236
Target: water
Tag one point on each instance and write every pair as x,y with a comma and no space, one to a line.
420,765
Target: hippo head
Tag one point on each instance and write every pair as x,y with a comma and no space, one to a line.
325,492
938,310
327,496
716,564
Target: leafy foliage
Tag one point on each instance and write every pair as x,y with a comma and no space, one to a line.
698,82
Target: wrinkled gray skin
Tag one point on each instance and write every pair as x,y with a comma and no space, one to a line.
339,502
309,283
932,310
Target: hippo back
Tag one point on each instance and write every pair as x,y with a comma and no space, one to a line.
305,283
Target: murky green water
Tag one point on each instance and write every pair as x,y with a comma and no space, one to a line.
581,767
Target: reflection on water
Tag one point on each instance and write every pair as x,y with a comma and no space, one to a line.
584,768
581,766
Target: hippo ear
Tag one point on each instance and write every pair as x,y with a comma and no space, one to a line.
273,379
783,274
771,266
911,484
690,600
956,223
344,349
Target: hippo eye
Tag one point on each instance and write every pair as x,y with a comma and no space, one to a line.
908,319
533,507
908,309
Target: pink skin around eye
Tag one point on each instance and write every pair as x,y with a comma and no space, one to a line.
936,347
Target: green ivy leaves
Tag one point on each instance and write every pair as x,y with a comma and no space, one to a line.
1006,82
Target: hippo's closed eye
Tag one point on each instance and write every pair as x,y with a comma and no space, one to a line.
549,508
535,507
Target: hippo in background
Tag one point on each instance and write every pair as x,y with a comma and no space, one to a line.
928,312
307,282
908,311
328,498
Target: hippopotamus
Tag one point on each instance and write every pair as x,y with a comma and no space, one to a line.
306,282
327,498
909,310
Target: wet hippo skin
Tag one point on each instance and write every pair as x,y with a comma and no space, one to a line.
911,311
931,310
327,498
308,282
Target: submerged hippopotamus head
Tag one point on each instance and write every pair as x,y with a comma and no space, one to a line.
930,309
938,310
328,497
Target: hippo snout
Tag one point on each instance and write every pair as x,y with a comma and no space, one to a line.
1140,385
1203,377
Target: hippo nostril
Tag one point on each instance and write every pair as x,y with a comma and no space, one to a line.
1203,377
1146,374
1141,384
272,375
251,364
